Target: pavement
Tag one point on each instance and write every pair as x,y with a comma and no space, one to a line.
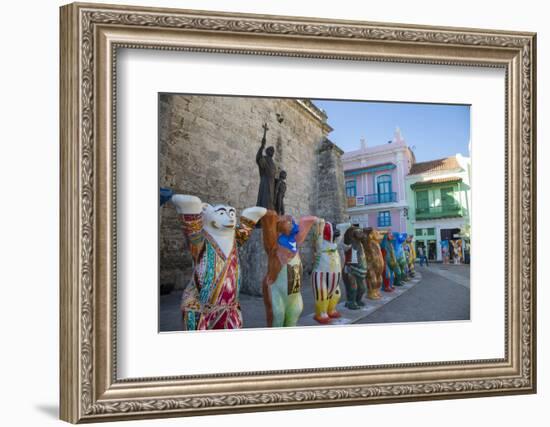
439,292
458,273
354,316
442,295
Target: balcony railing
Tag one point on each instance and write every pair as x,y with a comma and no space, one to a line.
374,199
445,211
371,199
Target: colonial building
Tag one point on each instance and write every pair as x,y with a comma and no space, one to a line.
438,193
375,184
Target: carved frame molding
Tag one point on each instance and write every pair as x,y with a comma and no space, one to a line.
90,37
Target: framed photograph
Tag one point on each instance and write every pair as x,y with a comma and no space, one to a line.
267,212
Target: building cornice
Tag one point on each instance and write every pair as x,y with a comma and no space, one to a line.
433,175
327,144
307,107
370,169
360,154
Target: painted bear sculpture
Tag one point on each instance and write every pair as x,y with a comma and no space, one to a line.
375,262
457,249
399,239
211,299
410,253
355,268
281,286
327,270
392,272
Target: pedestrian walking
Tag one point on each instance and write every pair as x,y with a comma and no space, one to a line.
422,256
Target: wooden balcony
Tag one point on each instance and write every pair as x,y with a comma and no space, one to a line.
445,211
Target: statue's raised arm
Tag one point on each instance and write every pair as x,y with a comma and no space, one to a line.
260,153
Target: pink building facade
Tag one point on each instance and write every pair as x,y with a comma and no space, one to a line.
375,184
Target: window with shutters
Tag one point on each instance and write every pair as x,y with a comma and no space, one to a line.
422,201
351,188
384,219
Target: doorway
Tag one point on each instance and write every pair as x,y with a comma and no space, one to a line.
432,250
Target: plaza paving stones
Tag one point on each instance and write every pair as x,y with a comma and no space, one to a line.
353,316
459,274
442,295
253,310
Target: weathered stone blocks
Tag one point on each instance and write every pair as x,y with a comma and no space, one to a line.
208,147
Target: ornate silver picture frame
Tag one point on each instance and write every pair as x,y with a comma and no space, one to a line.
91,34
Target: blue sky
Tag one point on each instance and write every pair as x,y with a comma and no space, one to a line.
432,130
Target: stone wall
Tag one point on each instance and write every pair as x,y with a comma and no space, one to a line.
208,147
331,199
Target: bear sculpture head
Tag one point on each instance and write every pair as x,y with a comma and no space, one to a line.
372,235
330,233
219,220
399,237
353,234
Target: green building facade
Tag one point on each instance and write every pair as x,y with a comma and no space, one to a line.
438,196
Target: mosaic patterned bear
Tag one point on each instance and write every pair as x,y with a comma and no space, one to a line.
211,299
392,272
399,239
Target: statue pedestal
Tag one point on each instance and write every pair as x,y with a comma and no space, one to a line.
253,260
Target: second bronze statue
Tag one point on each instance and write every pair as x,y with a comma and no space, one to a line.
280,190
272,190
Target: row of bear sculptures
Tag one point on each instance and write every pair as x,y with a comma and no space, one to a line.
372,261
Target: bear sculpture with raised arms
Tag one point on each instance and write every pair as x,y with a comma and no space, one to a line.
327,270
211,299
281,287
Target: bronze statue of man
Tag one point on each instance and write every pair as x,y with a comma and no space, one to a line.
268,170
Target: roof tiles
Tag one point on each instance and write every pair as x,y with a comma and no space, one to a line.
436,181
438,165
